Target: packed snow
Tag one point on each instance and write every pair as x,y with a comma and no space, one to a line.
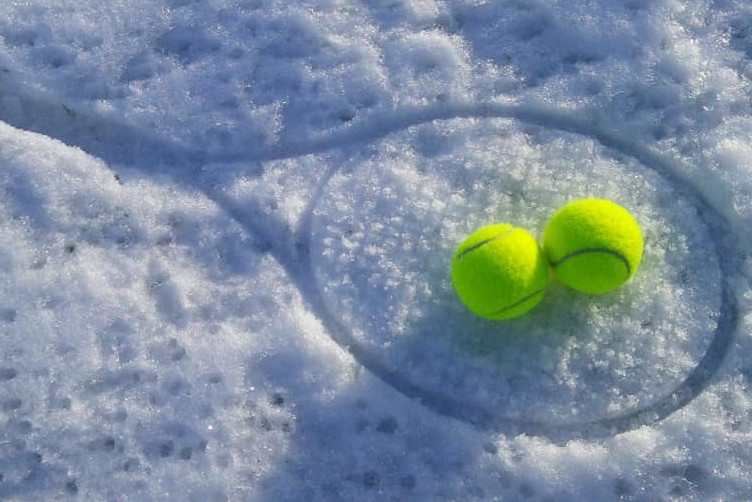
226,229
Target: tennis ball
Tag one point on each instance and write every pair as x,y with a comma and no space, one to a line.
500,272
593,245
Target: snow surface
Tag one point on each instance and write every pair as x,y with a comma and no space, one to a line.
226,229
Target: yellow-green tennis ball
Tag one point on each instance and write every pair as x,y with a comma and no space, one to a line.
500,272
593,245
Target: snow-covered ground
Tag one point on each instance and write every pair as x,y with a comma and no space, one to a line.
226,229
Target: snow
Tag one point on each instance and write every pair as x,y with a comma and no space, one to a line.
226,229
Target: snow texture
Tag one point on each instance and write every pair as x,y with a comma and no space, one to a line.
226,229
